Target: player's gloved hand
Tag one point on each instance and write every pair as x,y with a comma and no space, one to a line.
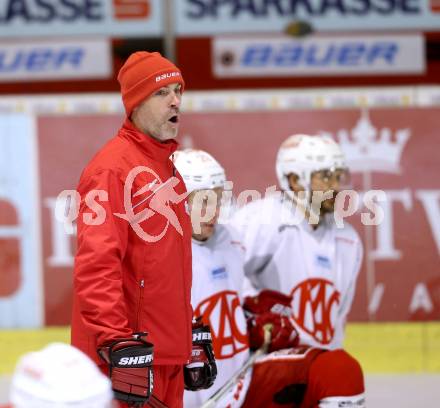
201,370
270,307
130,366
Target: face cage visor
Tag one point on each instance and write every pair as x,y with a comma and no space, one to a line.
335,175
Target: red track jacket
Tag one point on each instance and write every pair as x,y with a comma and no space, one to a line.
123,281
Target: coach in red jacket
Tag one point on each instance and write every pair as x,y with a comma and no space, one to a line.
133,265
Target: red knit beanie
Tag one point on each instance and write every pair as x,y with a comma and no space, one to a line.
142,74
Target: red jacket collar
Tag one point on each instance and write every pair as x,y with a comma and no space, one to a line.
159,151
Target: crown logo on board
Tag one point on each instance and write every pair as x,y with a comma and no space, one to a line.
370,149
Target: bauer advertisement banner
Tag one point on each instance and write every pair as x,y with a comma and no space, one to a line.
54,60
246,56
389,149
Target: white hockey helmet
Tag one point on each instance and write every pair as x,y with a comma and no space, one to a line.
199,170
303,155
59,376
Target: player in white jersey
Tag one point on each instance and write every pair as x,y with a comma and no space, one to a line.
293,245
218,273
219,280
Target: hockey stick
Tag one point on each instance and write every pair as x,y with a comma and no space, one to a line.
212,401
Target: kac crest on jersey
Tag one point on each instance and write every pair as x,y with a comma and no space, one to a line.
315,304
223,312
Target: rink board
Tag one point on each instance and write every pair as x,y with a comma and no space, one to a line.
399,280
380,347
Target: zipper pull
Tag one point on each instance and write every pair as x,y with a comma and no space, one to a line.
142,283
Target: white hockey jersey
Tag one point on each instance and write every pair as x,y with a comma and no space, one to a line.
318,267
218,277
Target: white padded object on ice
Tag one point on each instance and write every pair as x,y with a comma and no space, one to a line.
59,376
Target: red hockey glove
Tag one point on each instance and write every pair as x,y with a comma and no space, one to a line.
201,371
130,366
270,307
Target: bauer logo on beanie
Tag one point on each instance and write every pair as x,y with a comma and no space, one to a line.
142,74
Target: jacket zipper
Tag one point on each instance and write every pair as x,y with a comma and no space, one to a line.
141,297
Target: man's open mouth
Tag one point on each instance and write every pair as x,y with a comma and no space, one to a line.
174,119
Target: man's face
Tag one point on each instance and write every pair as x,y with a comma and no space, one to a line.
204,207
323,181
328,180
158,115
